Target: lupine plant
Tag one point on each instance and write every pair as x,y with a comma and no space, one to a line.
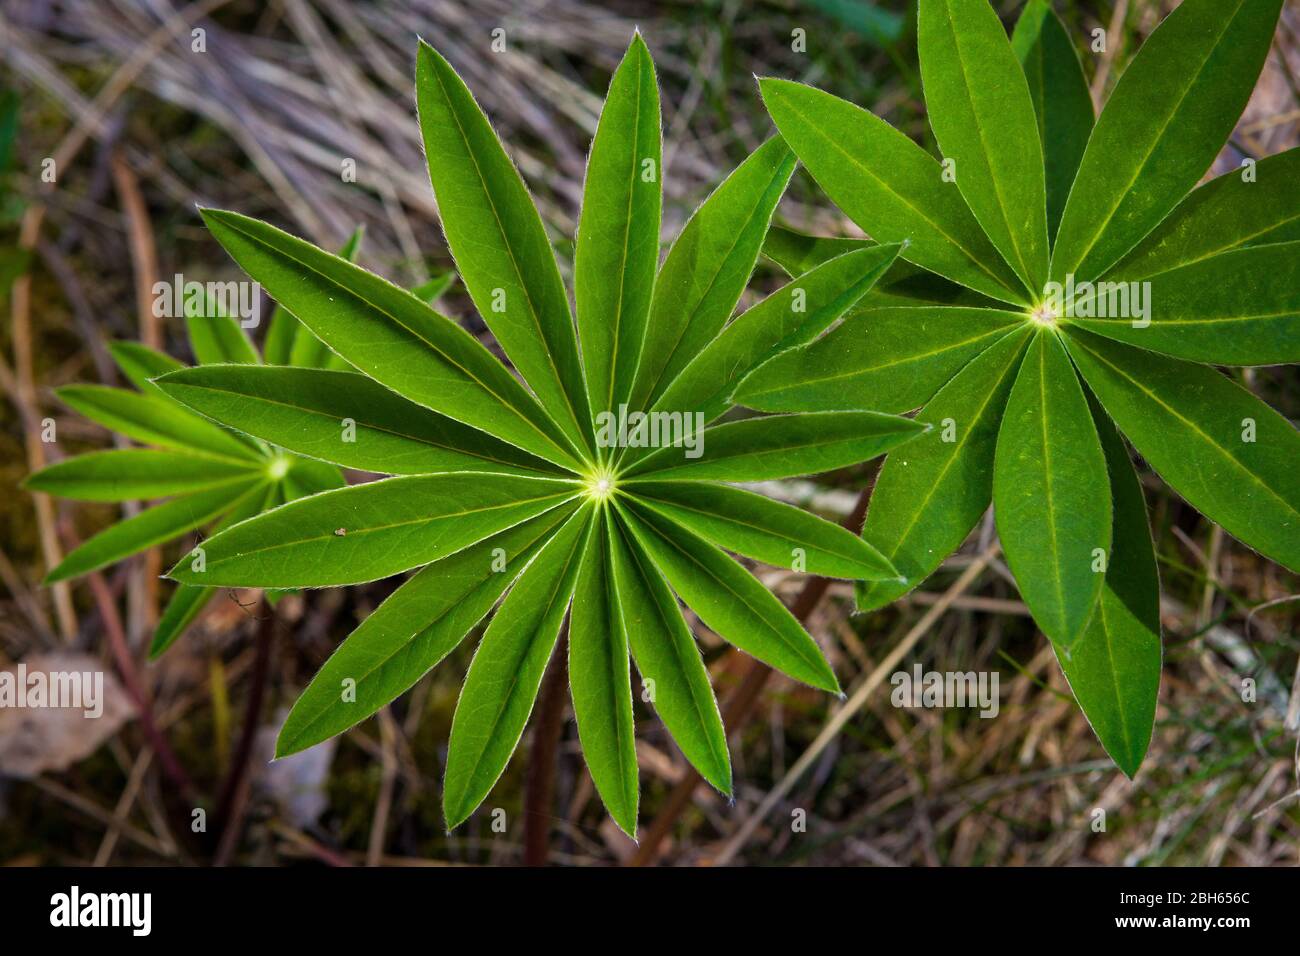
211,476
1064,284
591,487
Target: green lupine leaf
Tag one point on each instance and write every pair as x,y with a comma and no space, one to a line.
983,118
600,678
342,417
216,338
931,492
889,359
390,335
307,476
1166,120
307,350
1226,213
1230,455
499,244
183,608
790,317
418,625
731,601
617,249
187,601
1236,308
668,659
1062,103
507,670
889,186
780,446
905,284
765,530
153,526
140,364
708,267
153,420
1114,668
1050,493
136,474
435,288
371,531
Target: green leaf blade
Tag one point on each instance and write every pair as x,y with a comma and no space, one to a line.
708,267
1062,103
891,360
390,335
898,196
668,659
617,250
1050,494
600,679
779,446
416,626
1114,668
342,417
765,530
500,246
931,492
507,671
135,474
1237,308
731,601
788,318
1164,123
979,107
370,531
1231,456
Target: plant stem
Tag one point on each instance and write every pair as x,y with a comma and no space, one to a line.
234,792
540,786
739,707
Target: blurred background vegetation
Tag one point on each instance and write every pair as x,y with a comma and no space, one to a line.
142,127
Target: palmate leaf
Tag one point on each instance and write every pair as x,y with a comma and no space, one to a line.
1166,120
1114,667
1217,280
984,120
1050,493
507,498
